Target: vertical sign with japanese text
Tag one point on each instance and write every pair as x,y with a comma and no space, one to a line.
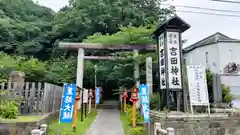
67,107
197,82
97,95
162,61
174,61
144,95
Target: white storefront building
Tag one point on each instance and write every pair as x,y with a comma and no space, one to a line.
220,54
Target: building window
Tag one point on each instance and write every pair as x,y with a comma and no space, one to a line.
206,55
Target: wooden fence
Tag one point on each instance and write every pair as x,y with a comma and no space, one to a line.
32,97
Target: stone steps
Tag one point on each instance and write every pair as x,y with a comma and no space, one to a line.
109,105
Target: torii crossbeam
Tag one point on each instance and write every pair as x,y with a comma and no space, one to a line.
98,46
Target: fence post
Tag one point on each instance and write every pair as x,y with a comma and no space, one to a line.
156,127
36,132
43,127
170,131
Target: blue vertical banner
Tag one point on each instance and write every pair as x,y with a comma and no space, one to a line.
97,95
67,106
144,98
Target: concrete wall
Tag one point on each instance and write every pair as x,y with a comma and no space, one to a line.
208,125
24,128
198,56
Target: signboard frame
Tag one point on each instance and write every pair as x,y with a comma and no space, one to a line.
197,83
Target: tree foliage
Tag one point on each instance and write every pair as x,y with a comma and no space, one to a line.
29,36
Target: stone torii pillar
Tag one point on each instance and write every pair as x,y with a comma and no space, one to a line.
97,46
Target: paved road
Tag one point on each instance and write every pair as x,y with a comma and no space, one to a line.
107,122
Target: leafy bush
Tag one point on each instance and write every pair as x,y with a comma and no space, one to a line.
139,117
8,107
9,110
154,101
137,131
226,94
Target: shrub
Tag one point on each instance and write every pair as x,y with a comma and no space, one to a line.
226,94
137,131
154,101
139,118
9,110
8,107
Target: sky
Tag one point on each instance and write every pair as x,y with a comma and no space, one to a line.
201,25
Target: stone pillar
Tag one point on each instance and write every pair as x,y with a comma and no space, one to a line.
217,89
43,127
36,132
18,80
17,76
170,131
149,76
156,127
136,75
80,69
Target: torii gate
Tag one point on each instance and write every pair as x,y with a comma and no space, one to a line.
97,46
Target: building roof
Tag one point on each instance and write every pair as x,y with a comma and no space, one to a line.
214,38
174,22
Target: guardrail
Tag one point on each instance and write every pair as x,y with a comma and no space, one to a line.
159,131
41,131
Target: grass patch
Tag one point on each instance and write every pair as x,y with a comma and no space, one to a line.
125,124
21,119
128,130
66,129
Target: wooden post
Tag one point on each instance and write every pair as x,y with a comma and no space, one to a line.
89,105
125,104
134,114
76,109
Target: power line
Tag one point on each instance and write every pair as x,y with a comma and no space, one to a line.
210,9
227,1
226,15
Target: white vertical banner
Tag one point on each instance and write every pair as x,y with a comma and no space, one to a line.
162,61
85,96
149,79
174,61
197,82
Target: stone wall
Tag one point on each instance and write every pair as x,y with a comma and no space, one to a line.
220,124
24,128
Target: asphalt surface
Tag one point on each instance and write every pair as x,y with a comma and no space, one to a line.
107,122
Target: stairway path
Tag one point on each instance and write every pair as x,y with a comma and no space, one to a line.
107,122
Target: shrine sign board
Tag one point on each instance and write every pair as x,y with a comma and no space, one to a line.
174,60
170,61
197,83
